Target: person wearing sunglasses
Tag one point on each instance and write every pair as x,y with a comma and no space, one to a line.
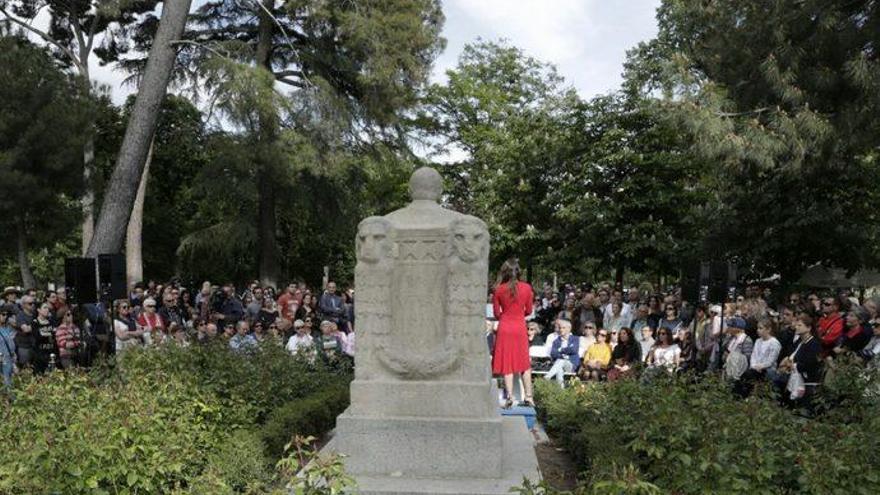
127,333
301,341
150,323
597,357
666,354
671,321
830,325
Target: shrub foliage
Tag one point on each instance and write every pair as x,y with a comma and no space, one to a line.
688,436
164,420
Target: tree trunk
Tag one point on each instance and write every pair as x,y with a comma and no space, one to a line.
88,198
119,198
134,256
269,264
268,244
27,275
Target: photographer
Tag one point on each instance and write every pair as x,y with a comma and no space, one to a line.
227,307
331,306
7,344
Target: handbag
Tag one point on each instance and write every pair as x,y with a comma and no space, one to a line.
796,386
735,365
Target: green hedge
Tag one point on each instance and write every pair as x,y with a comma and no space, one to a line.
689,436
168,420
310,416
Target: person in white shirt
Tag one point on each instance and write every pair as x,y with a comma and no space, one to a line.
615,319
127,334
666,353
764,356
767,348
301,341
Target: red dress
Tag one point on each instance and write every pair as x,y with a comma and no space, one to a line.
511,353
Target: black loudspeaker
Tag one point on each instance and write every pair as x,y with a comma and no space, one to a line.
690,283
721,280
81,280
111,277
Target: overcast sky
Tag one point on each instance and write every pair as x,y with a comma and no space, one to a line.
586,39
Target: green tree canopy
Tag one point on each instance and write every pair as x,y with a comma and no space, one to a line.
42,114
511,115
630,194
783,98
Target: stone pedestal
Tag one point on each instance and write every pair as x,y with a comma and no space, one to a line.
516,460
423,417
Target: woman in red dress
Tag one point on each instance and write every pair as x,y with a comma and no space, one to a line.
511,303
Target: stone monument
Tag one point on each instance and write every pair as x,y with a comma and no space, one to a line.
424,415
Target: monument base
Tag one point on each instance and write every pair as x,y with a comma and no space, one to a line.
518,460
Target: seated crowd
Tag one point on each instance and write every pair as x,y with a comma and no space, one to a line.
606,333
601,333
43,331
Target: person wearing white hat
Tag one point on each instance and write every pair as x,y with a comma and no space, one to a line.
150,323
301,340
10,294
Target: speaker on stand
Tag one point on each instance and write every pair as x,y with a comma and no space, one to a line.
111,278
81,280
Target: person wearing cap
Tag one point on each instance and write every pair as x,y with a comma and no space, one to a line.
7,344
734,345
301,340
